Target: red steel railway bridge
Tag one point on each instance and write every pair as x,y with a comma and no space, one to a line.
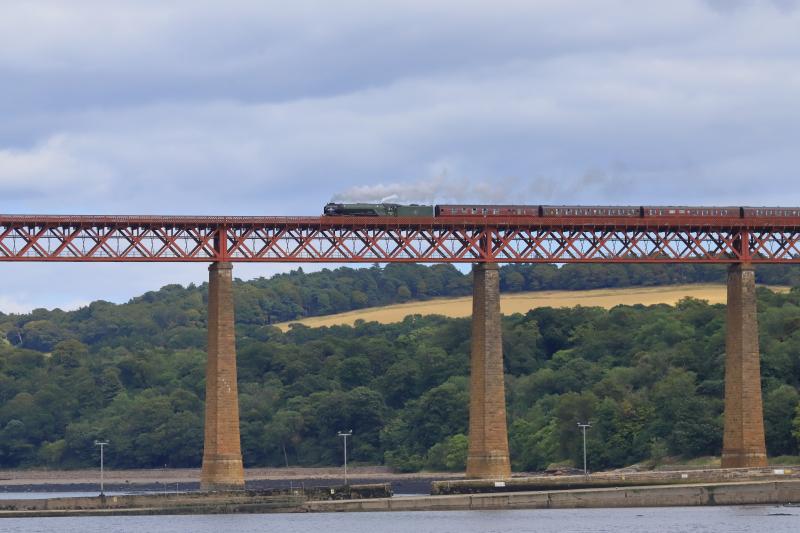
484,242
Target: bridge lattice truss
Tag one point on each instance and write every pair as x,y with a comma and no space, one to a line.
386,240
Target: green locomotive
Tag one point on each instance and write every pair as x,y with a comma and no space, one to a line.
378,210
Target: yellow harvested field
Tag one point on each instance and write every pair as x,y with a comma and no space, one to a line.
522,302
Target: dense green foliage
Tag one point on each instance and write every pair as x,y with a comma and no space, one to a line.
650,379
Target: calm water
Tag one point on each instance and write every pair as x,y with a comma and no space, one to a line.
772,519
43,495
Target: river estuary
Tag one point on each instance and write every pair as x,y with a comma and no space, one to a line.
772,519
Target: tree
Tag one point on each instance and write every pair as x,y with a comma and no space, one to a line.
780,405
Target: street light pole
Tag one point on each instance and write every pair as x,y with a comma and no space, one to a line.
102,445
344,435
584,427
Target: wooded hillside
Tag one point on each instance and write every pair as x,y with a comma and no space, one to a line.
649,378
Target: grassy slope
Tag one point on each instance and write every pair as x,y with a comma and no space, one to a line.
523,301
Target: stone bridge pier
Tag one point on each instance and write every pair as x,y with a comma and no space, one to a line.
487,457
222,452
743,439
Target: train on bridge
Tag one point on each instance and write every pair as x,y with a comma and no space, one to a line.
554,211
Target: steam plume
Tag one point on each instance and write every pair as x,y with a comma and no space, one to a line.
594,186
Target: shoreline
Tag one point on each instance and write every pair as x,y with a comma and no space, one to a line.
188,479
785,492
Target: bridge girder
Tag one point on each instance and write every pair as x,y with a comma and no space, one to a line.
381,240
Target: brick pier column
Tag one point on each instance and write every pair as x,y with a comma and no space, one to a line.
222,453
743,441
488,435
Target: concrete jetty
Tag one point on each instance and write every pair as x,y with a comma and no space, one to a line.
731,493
742,493
613,479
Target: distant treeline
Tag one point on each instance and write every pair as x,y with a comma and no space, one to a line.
649,378
162,314
298,294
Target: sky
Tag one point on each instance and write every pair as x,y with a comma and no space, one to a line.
275,108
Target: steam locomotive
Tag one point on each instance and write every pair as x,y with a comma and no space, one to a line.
561,211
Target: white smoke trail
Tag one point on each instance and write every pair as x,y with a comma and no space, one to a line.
438,189
593,186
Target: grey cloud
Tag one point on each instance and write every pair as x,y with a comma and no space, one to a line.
726,6
480,130
253,52
260,108
730,6
786,6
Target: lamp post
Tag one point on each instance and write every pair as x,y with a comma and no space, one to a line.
344,435
102,445
584,427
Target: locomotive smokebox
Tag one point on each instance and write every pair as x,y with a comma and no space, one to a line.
332,209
